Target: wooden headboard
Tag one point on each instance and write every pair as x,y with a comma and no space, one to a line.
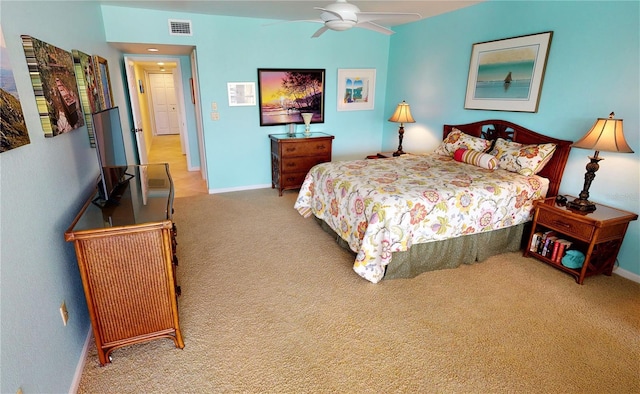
494,129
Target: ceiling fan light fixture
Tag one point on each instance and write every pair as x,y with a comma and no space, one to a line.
339,25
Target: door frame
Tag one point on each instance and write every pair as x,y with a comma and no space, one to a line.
184,135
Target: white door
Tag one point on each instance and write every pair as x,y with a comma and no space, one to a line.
135,110
165,104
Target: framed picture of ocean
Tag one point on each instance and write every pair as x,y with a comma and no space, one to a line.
507,74
356,89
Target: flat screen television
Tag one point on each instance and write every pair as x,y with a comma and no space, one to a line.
112,158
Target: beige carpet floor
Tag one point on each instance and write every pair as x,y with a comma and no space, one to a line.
270,304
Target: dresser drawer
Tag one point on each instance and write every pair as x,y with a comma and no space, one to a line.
567,226
292,180
309,148
302,164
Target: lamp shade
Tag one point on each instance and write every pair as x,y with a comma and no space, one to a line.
605,135
402,114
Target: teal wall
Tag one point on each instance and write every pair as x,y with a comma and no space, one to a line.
592,70
231,50
43,185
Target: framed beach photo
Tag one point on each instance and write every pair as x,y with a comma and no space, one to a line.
284,94
356,89
507,74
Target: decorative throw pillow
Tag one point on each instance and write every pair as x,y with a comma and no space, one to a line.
476,158
456,139
523,159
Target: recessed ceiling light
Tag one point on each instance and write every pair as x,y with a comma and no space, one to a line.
152,49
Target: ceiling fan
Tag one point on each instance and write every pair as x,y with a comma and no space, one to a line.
341,16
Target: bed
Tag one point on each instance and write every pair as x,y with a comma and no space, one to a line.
468,200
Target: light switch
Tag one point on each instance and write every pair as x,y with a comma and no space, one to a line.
215,116
214,106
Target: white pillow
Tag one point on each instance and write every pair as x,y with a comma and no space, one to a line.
456,139
523,159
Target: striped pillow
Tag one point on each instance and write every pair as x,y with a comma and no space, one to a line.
476,158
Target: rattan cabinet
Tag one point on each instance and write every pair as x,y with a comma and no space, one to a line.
126,254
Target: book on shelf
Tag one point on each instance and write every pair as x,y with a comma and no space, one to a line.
554,253
547,249
535,241
562,249
543,241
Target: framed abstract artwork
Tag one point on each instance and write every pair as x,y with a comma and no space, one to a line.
104,82
54,85
507,74
356,89
285,94
14,129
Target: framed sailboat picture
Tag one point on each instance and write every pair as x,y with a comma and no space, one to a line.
507,74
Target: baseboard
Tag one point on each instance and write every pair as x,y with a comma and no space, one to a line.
238,189
80,367
627,274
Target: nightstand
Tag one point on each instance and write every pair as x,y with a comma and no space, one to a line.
381,155
598,235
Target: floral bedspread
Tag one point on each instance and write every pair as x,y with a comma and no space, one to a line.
387,205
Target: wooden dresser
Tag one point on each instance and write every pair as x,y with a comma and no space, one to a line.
126,256
292,156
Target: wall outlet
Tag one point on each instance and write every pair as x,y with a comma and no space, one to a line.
64,313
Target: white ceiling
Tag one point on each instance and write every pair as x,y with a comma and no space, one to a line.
280,10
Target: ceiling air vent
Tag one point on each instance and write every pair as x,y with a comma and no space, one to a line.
179,27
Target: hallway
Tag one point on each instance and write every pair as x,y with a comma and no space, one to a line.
166,149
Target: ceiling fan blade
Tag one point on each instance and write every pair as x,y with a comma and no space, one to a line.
319,32
298,20
375,27
329,11
376,16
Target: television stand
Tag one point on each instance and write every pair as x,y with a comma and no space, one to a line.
127,259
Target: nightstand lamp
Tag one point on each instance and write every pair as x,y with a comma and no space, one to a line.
605,135
402,116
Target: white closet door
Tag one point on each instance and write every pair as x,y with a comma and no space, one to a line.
165,104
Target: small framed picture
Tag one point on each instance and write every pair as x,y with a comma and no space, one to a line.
356,89
241,93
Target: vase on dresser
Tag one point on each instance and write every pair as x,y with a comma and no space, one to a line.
307,121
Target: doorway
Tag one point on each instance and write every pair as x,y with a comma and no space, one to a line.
158,107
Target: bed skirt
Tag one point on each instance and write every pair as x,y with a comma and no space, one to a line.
450,253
